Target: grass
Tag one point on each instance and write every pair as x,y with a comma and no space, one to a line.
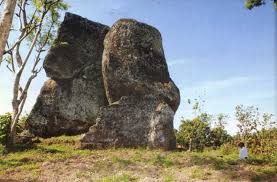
61,157
116,178
53,149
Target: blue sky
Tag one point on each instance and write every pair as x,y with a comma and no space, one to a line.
219,51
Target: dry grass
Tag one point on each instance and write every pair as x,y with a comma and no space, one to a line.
59,159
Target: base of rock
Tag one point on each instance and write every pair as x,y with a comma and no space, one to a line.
132,122
65,108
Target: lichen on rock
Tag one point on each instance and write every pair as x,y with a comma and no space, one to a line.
141,94
111,84
70,100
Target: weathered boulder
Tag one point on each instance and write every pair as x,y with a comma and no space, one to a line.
70,100
134,63
79,44
141,94
132,122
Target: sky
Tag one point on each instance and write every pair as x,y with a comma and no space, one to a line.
220,52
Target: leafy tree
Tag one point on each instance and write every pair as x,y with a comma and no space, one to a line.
267,134
194,133
259,133
267,121
250,4
248,119
37,24
218,136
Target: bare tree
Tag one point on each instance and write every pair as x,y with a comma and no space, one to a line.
37,26
6,23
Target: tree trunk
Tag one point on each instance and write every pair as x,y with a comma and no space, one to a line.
5,24
190,145
12,135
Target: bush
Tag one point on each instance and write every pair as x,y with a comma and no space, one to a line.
5,121
228,148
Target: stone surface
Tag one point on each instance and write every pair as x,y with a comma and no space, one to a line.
91,66
134,63
70,100
141,94
133,122
79,44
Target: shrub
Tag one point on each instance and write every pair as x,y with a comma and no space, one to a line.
5,121
228,148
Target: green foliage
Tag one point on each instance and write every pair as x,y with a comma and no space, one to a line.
248,119
115,164
194,133
198,173
5,121
250,4
221,120
162,161
50,20
259,133
219,136
228,148
264,143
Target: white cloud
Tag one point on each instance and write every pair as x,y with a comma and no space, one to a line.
225,83
213,85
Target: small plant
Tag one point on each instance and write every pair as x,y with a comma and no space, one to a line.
121,162
198,173
227,149
169,178
162,161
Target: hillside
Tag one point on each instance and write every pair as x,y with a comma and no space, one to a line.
59,159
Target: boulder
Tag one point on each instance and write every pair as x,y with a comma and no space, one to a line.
134,63
141,94
132,122
69,102
79,44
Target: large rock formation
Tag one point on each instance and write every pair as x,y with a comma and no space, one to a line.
69,102
90,67
134,63
141,95
133,122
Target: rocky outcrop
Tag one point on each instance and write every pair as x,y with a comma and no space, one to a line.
134,63
113,82
69,102
141,95
132,122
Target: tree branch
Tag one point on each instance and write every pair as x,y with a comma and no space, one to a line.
20,39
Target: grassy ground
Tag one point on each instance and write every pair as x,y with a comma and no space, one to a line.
59,159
